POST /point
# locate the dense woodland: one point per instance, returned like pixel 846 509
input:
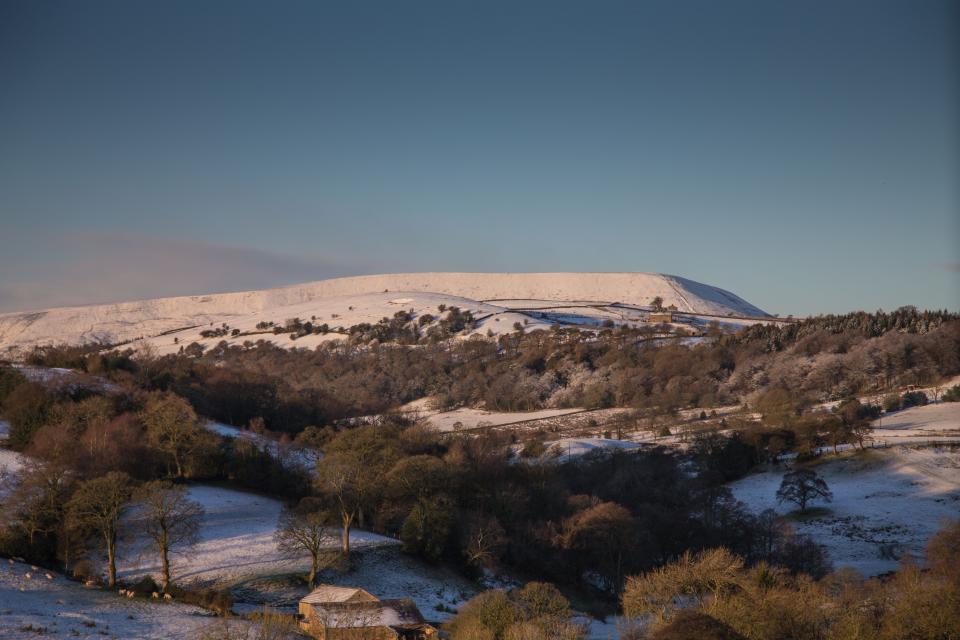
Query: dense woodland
pixel 463 500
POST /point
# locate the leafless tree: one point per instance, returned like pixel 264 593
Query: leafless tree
pixel 169 518
pixel 173 427
pixel 96 506
pixel 307 529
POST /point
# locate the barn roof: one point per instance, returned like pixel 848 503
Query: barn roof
pixel 329 593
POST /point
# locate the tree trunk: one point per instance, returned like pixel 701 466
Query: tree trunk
pixel 176 461
pixel 314 563
pixel 345 539
pixel 111 559
pixel 165 560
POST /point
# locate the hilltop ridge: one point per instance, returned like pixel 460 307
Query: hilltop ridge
pixel 351 300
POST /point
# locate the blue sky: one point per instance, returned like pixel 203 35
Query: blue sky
pixel 804 155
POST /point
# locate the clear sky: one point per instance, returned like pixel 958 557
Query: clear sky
pixel 805 155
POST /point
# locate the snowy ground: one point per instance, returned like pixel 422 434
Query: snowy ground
pixel 928 423
pixel 236 542
pixel 10 461
pixel 60 378
pixel 885 502
pixel 469 418
pixel 570 448
pixel 360 299
pixel 290 456
pixel 59 608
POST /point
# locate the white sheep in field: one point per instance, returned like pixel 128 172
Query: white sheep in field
pixel 154 595
pixel 122 592
pixel 28 575
pixel 167 596
pixel 130 594
pixel 48 576
pixel 35 567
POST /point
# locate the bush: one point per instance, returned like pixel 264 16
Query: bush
pixel 145 586
pixel 695 625
pixel 952 394
pixel 913 399
pixel 84 570
pixel 10 379
pixel 27 409
pixel 219 600
pixel 533 449
pixel 891 403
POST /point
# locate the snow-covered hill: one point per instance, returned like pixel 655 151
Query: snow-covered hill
pixel 500 299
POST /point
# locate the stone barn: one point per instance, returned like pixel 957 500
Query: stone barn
pixel 348 613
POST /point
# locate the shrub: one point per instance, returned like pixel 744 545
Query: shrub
pixel 913 399
pixel 533 449
pixel 695 625
pixel 10 379
pixel 145 586
pixel 27 409
pixel 952 394
pixel 891 402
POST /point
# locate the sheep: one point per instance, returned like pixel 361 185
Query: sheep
pixel 28 575
pixel 130 594
pixel 167 596
pixel 48 576
pixel 122 592
pixel 154 595
pixel 34 567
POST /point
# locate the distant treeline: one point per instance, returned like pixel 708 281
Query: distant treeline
pixel 814 360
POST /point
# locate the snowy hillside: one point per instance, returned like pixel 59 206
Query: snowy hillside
pixel 498 300
pixel 38 607
pixel 886 501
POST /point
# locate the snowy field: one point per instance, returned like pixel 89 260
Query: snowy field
pixel 569 448
pixel 359 299
pixel 60 378
pixel 10 461
pixel 59 608
pixel 929 423
pixel 469 418
pixel 290 456
pixel 236 542
pixel 564 420
pixel 886 502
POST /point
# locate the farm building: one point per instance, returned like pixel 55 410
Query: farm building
pixel 345 613
pixel 661 316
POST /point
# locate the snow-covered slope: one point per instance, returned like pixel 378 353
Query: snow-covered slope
pixel 346 301
pixel 38 607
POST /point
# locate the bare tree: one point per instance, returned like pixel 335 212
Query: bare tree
pixel 307 529
pixel 96 506
pixel 32 499
pixel 484 541
pixel 801 486
pixel 173 427
pixel 351 473
pixel 170 519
